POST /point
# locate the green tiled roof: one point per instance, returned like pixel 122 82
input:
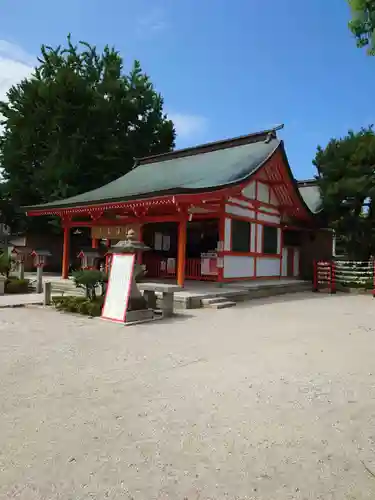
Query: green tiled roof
pixel 199 169
pixel 311 195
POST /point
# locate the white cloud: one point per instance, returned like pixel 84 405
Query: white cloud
pixel 15 53
pixel 151 23
pixel 15 64
pixel 188 126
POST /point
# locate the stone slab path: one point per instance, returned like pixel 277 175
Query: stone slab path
pixel 19 300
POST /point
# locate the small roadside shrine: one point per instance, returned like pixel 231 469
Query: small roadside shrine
pixel 223 211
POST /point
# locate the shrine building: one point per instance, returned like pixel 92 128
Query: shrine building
pixel 223 211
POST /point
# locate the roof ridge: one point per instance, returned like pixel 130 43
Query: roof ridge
pixel 210 146
pixel 307 182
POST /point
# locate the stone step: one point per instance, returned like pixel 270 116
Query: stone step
pixel 222 305
pixel 218 302
pixel 212 300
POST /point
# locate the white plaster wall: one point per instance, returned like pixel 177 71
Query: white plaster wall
pixel 267 266
pixel 238 267
pixel 252 237
pixel 273 199
pixel 227 233
pixel 263 192
pixel 274 219
pixel 284 271
pixel 259 238
pixel 296 262
pixel 243 212
pixel 249 191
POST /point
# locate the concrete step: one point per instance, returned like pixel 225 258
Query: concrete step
pixel 218 303
pixel 212 300
pixel 222 305
pixel 66 288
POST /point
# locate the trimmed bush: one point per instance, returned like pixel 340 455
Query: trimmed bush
pixel 15 285
pixel 79 305
pixel 89 280
pixel 5 264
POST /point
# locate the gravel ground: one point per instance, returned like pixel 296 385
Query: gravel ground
pixel 269 400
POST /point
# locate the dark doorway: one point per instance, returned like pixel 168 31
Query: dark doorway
pixel 290 263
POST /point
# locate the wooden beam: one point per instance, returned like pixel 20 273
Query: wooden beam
pixel 124 221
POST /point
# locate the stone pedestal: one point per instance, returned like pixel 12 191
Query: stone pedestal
pixel 47 300
pixel 39 279
pixel 139 315
pixel 150 298
pixel 2 284
pixel 167 304
pixel 21 270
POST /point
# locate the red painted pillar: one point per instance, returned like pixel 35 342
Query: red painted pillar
pixel 181 251
pixel 66 248
pixel 220 251
pixel 95 243
pixel 315 276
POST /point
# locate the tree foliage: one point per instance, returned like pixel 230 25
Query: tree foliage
pixel 89 280
pixel 362 24
pixel 346 176
pixel 77 123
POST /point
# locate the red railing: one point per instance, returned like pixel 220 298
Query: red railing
pixel 162 267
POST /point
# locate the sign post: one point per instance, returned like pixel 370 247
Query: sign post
pixel 119 287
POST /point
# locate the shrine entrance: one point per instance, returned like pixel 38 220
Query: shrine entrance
pixel 201 249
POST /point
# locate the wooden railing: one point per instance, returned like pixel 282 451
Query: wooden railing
pixel 162 267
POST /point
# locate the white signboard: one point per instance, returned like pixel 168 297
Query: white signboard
pixel 119 286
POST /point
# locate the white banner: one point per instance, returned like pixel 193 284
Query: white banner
pixel 119 287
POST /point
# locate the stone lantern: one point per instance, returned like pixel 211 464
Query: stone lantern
pixel 40 260
pixel 20 254
pixel 88 258
pixel 129 245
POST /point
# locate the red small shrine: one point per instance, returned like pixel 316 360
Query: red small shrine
pixel 223 211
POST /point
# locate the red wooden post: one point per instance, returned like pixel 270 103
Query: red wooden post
pixel 315 276
pixel 65 259
pixel 95 243
pixel 181 251
pixel 220 250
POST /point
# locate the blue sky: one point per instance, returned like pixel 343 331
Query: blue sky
pixel 224 67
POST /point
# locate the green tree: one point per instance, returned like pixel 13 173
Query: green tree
pixel 346 176
pixel 77 123
pixel 362 24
